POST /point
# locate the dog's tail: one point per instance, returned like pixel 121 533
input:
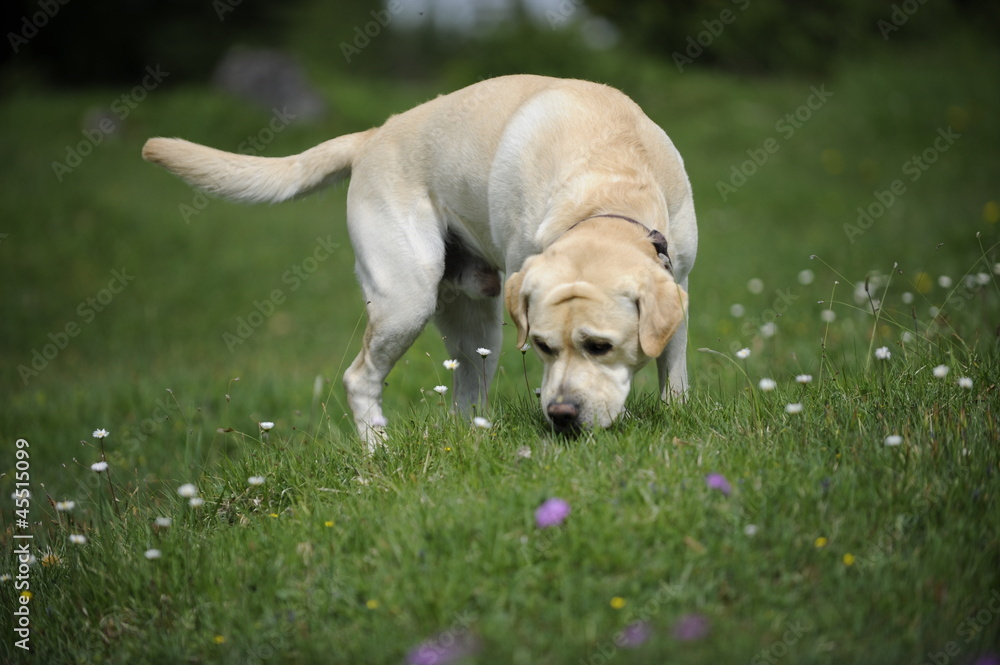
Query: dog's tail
pixel 251 179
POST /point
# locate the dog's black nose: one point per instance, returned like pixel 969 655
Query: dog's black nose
pixel 564 416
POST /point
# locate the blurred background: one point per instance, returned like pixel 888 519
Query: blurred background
pixel 112 42
pixel 863 132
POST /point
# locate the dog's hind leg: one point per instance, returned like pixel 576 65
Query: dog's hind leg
pixel 469 324
pixel 672 364
pixel 399 261
pixel 384 344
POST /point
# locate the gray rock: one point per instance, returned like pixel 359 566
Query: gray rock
pixel 271 79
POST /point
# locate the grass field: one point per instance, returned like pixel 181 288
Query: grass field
pixel 862 528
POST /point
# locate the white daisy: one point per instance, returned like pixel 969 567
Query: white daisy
pixel 483 352
pixel 196 502
pixel 451 364
pixel 440 390
pixel 907 298
pixel 266 425
pixel 63 506
pixel 883 353
pixel 944 282
pixel 965 382
pixel 767 385
pixel 751 530
pixel 804 378
pixel 737 310
pixel 769 329
pixel 99 466
pixel 256 480
pixel 743 354
pixel 187 490
pixel 163 522
pixel 793 408
pixel 5 578
pixel 479 421
pixel 755 285
pixel 828 316
pixel 100 433
pixel 152 554
pixel 77 539
pixel 941 371
pixel 893 440
pixel 806 276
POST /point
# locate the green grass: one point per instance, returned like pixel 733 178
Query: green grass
pixel 342 557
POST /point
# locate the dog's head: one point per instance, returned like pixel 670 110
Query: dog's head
pixel 596 306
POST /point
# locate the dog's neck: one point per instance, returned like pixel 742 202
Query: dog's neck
pixel 657 239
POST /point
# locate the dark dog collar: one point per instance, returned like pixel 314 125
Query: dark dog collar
pixel 657 238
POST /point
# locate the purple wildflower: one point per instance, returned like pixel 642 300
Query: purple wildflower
pixel 633 635
pixel 551 513
pixel 443 649
pixel 717 481
pixel 691 627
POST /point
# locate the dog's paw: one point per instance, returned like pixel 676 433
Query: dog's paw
pixel 373 434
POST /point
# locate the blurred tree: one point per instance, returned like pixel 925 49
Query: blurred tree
pixel 77 42
pixel 770 36
pixel 371 38
pixel 81 42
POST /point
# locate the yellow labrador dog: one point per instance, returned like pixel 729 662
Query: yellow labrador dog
pixel 564 186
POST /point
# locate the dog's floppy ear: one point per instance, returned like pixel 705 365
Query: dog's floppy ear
pixel 662 307
pixel 517 303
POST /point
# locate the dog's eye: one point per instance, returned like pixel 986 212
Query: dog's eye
pixel 596 347
pixel 543 347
